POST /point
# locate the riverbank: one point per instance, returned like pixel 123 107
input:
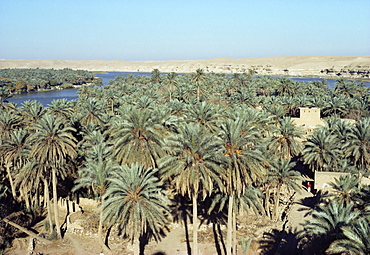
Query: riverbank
pixel 328 67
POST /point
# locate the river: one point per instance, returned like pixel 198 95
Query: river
pixel 45 97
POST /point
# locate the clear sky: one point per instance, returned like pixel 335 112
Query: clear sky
pixel 182 29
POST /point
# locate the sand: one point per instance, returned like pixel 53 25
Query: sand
pixel 294 66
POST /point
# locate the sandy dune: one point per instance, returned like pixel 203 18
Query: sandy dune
pixel 311 65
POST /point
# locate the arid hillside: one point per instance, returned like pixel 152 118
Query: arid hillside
pixel 354 67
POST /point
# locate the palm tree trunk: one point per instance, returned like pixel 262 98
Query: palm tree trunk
pixel 55 197
pixel 7 166
pixel 100 228
pixel 267 203
pixel 234 232
pixel 170 91
pixel 276 205
pixel 198 93
pixel 195 225
pixel 137 247
pixel 47 204
pixel 26 199
pixel 229 225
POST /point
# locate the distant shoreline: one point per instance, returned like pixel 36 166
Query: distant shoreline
pixel 357 67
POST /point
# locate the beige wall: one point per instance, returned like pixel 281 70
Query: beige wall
pixel 309 118
pixel 322 179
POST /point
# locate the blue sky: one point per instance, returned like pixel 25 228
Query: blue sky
pixel 182 30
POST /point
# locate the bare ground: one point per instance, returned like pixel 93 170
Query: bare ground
pixel 294 66
pixel 84 240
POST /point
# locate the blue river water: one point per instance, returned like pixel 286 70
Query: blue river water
pixel 46 97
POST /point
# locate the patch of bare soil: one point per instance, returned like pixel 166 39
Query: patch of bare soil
pixel 81 237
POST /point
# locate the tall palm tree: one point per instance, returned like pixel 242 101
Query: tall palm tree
pixel 283 174
pixel 30 177
pixel 343 130
pixel 193 165
pixel 248 200
pixel 136 201
pixel 244 165
pixel 52 144
pixel 199 77
pixel 156 76
pixel 112 96
pixel 95 176
pixel 171 81
pixel 14 153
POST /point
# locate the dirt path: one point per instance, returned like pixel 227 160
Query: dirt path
pixel 296 216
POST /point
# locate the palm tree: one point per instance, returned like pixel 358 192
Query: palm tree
pixel 199 77
pixel 358 148
pixel 246 96
pixel 32 111
pixel 356 241
pixel 286 86
pixel 344 188
pixel 326 223
pixel 171 80
pixel 29 179
pixel 244 165
pixel 8 122
pixel 52 144
pixel 335 105
pixel 322 151
pixel 95 176
pixel 205 114
pixel 136 201
pixel 60 108
pixel 113 96
pixel 343 130
pixel 91 111
pixel 14 152
pixel 193 165
pixel 156 76
pixel 248 200
pixel 282 174
pixel 287 139
pixel 137 137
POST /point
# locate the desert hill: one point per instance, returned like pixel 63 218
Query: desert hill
pixel 326 66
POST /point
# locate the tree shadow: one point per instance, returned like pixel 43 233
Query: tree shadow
pixel 312 203
pixel 280 242
pixel 149 234
pixel 181 211
pixel 216 217
pixel 143 239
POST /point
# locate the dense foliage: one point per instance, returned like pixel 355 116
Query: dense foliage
pixel 171 138
pixel 25 80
